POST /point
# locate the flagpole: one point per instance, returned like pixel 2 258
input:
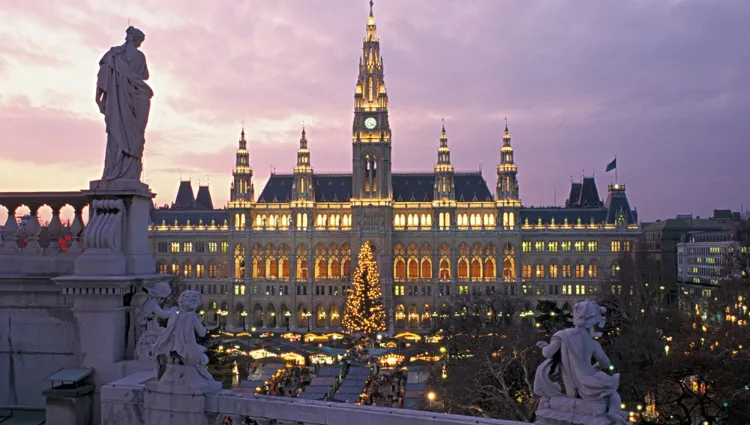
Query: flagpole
pixel 616 170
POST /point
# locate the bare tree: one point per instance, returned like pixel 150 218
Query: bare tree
pixel 490 361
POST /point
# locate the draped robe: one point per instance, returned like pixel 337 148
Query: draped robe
pixel 122 75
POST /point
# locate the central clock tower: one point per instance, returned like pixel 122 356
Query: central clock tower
pixel 371 132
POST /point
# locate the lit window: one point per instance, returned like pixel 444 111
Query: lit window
pixel 213 247
pixel 554 271
pixel 552 246
pixel 539 271
pixel 566 246
pixel 175 247
pixel 615 246
pixel 526 246
pixel 187 247
pixel 593 246
pixel 539 246
pixel 579 246
pixel 398 290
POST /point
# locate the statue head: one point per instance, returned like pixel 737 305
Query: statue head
pixel 190 300
pixel 160 290
pixel 135 36
pixel 588 315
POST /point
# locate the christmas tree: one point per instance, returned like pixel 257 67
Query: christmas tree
pixel 364 310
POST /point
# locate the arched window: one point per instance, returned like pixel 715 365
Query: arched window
pixel 239 261
pixel 321 265
pixel 301 262
pixel 399 269
pixel 593 270
pixel 445 265
pixel 509 262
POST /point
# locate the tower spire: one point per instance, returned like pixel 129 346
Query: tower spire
pixel 242 185
pixel 444 185
pixel 507 179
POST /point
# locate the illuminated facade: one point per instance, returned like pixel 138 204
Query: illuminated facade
pixel 442 237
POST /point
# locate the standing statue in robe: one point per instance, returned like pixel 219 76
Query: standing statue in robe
pixel 124 99
pixel 569 371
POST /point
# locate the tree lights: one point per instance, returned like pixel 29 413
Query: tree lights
pixel 364 310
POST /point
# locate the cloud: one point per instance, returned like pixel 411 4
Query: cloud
pixel 662 85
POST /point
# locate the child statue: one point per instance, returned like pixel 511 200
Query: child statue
pixel 148 315
pixel 568 370
pixel 177 345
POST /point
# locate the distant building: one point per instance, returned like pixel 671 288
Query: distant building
pixel 660 240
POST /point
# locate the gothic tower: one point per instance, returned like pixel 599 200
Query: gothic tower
pixel 242 183
pixel 445 188
pixel 303 191
pixel 242 194
pixel 371 134
pixel 507 197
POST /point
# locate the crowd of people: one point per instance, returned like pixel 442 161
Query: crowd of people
pixel 385 389
pixel 291 382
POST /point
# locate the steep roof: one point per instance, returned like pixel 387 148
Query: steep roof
pixel 417 187
pixel 185 198
pixel 203 200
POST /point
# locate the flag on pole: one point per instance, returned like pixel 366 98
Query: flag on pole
pixel 612 165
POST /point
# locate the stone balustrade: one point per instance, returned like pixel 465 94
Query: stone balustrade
pixel 27 247
pixel 126 401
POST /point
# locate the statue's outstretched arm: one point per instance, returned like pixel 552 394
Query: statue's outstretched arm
pixel 552 348
pixel 199 328
pixel 601 357
pixel 163 314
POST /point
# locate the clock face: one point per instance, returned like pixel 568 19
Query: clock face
pixel 370 123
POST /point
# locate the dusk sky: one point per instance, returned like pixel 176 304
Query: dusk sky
pixel 664 85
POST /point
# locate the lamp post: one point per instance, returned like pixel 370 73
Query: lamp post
pixel 244 319
pixel 287 315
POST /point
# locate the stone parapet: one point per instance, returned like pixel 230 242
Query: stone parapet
pixel 123 404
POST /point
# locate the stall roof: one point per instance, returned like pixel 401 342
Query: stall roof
pixel 323 380
pixel 328 371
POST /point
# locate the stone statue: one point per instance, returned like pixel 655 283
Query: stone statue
pixel 125 99
pixel 572 389
pixel 177 347
pixel 147 315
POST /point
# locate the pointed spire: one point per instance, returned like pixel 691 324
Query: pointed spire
pixel 444 153
pixel 443 137
pixel 243 141
pixel 371 24
pixel 303 139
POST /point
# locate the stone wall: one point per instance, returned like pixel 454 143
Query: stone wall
pixel 37 337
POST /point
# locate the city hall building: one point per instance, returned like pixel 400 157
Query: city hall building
pixel 282 258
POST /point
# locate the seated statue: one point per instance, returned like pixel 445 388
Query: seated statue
pixel 178 346
pixel 568 371
pixel 148 314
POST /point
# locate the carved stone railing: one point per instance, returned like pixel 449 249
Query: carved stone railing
pixel 124 403
pixel 26 242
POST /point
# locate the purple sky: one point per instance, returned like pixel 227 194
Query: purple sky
pixel 664 85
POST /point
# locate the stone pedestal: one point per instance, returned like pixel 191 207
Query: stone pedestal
pixel 69 406
pixel 116 237
pixel 573 411
pixel 178 398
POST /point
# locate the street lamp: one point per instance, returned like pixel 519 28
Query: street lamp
pixel 431 397
pixel 287 314
pixel 244 318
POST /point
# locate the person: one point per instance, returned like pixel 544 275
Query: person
pixel 124 98
pixel 568 359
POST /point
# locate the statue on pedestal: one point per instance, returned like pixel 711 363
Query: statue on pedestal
pixel 124 99
pixel 178 348
pixel 147 316
pixel 573 389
